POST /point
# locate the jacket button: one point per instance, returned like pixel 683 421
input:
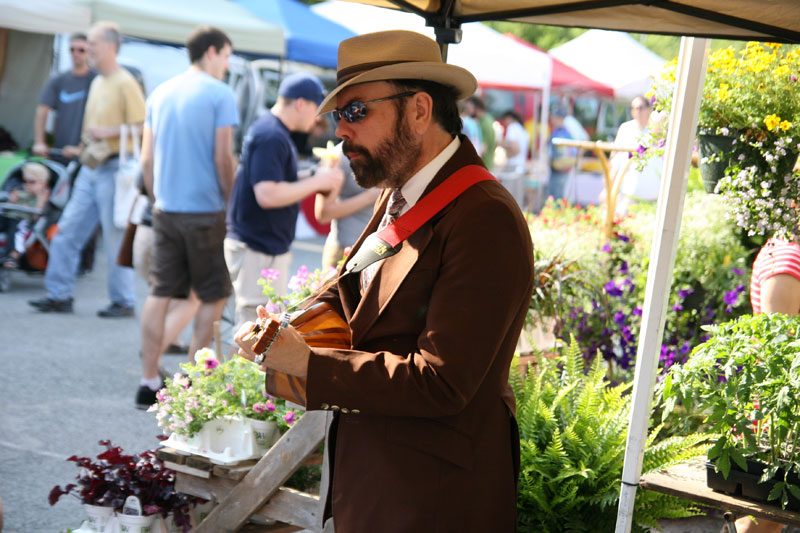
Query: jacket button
pixel 324 406
pixel 345 410
pixel 355 411
pixel 334 407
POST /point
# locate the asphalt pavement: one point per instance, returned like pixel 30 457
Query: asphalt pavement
pixel 68 381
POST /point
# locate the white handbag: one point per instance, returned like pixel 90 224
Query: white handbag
pixel 126 190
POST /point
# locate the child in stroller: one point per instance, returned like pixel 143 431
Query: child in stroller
pixel 31 200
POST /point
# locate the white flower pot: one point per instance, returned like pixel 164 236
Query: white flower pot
pixel 224 440
pixel 136 524
pixel 266 433
pixel 98 517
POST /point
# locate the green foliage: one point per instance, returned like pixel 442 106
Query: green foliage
pixel 573 429
pixel 746 381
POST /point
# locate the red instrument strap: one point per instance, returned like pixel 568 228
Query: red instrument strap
pixel 432 203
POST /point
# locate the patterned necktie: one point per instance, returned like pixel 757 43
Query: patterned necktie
pixel 393 209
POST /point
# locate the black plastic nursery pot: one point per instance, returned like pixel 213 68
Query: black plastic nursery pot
pixel 746 484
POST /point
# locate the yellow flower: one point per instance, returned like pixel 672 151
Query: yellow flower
pixel 723 93
pixel 781 71
pixel 772 122
pixel 785 125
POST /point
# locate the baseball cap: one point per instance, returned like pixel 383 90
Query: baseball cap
pixel 300 85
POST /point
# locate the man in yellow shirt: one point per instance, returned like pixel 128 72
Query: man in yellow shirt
pixel 115 98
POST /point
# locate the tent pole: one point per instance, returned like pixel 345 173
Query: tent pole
pixel 682 124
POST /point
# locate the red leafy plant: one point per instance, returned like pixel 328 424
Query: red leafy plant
pixel 114 476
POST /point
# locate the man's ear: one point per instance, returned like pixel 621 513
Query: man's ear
pixel 422 115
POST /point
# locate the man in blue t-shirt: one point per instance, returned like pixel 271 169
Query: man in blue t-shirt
pixel 187 166
pixel 263 210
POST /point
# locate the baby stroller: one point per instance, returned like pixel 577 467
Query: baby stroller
pixel 41 222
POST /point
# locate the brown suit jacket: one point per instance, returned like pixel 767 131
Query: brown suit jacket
pixel 425 438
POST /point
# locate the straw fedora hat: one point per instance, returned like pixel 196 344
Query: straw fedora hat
pixel 395 55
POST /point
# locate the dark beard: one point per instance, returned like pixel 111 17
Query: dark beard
pixel 395 159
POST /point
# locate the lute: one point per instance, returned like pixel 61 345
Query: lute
pixel 319 325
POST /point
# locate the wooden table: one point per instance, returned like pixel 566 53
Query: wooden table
pixel 612 182
pixel 254 491
pixel 688 480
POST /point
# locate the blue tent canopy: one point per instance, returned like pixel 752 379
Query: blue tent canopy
pixel 310 38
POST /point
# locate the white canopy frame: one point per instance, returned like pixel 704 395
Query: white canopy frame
pixel 682 124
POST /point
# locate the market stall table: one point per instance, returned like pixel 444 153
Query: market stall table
pixel 688 480
pixel 612 182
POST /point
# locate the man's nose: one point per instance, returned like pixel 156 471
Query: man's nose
pixel 343 129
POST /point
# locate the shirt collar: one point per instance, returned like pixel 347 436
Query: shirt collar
pixel 414 187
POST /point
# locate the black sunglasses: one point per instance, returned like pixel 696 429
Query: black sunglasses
pixel 355 111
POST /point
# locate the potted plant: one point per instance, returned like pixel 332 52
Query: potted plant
pixel 217 405
pixel 745 379
pixel 573 429
pixel 104 484
pixel 301 287
pixel 748 131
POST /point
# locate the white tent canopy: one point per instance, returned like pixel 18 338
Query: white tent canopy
pixel 495 60
pixel 172 21
pixel 44 16
pixel 613 58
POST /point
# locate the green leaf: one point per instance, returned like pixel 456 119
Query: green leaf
pixel 738 458
pixel 776 491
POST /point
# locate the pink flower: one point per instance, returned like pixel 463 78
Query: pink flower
pixel 289 417
pixel 270 406
pixel 271 274
pixel 211 363
pixel 259 408
pixel 230 388
pixel 272 308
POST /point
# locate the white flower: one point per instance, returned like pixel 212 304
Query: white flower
pixel 204 353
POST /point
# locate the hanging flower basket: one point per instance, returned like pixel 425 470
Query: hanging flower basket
pixel 714 152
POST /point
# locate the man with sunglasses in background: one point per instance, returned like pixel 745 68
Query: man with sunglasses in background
pixel 423 436
pixel 263 209
pixel 65 93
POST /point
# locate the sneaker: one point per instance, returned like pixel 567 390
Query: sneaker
pixel 177 349
pixel 49 305
pixel 145 396
pixel 116 310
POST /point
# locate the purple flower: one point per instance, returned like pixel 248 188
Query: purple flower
pixel 270 406
pixel 738 271
pixel 619 317
pixel 289 417
pixel 623 238
pixel 730 297
pixel 685 348
pixel 640 150
pixel 211 363
pixel 623 267
pixel 794 78
pixel 612 289
pixel 683 293
pixel 677 307
pixel 230 389
pixel 606 247
pixel 637 311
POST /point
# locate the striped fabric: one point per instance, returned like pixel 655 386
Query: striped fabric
pixel 776 257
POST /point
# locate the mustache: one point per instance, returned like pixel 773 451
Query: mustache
pixel 349 147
